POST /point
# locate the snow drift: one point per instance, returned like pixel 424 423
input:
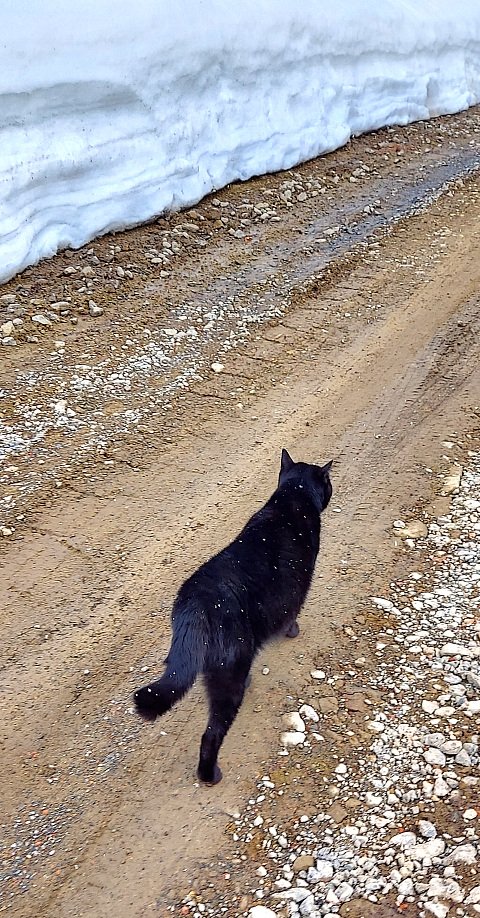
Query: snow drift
pixel 111 113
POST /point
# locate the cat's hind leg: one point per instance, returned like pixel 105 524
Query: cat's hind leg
pixel 226 688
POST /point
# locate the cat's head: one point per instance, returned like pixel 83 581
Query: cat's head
pixel 315 477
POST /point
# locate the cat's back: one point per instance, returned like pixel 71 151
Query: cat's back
pixel 282 536
pixel 289 516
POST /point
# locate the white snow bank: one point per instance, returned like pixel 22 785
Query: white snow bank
pixel 112 112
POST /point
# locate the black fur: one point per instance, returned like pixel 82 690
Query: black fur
pixel 249 593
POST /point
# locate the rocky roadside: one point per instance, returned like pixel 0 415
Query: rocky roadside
pixel 393 823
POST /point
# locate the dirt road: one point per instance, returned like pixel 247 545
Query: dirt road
pixel 350 329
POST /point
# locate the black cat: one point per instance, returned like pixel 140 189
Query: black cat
pixel 249 593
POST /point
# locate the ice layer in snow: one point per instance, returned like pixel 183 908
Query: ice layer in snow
pixel 111 113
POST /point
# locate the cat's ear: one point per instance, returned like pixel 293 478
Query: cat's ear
pixel 287 462
pixel 326 468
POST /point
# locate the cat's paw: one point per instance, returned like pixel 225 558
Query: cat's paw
pixel 210 776
pixel 145 703
pixel 293 630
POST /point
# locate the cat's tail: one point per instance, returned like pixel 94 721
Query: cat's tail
pixel 183 664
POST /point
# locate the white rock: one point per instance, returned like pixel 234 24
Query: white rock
pixel 217 367
pixel 261 911
pixel 429 706
pixel 434 847
pixel 434 757
pixel 427 829
pixel 341 769
pixel 406 887
pixel 441 788
pixel 307 907
pixel 40 319
pixel 344 892
pixel 474 680
pixel 474 896
pixel 324 870
pixel 462 854
pixel 60 407
pixel 294 722
pixel 372 799
pixel 470 814
pixel 292 738
pixel 404 840
pixel 283 884
pixel 309 713
pixel 455 650
pixel 451 747
pixel 385 604
pixel 434 739
pixel 440 888
pixel 437 908
pixel 317 674
pixel 473 707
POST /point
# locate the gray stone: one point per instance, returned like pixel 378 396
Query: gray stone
pixel 451 747
pixel 434 739
pixel 40 319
